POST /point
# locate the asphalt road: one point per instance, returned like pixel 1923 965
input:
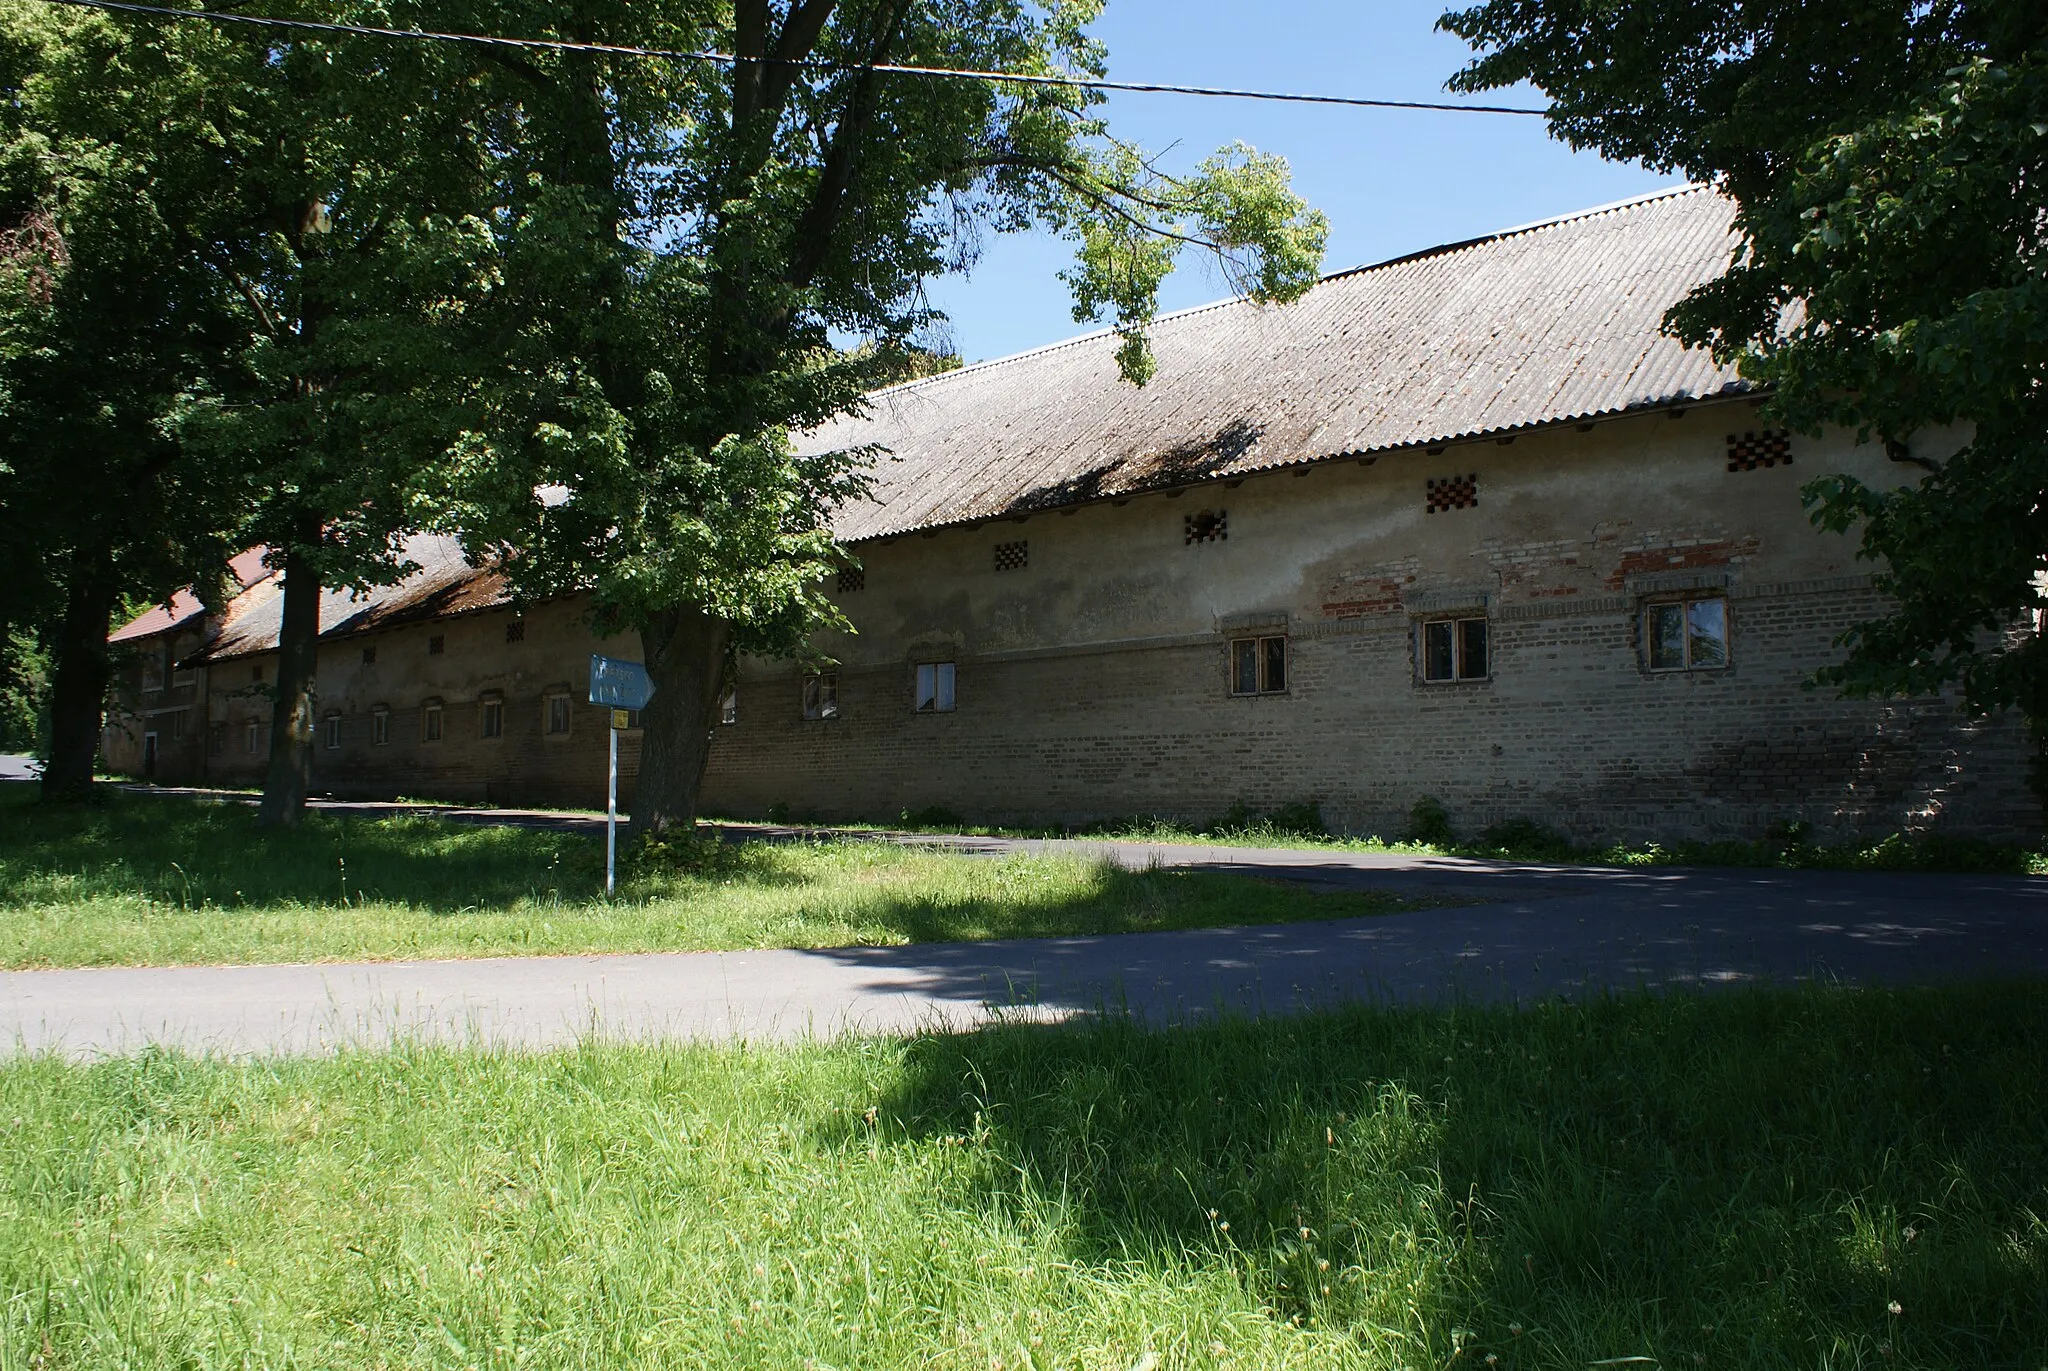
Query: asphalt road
pixel 1534 932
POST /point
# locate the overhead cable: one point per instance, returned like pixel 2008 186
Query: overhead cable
pixel 1069 82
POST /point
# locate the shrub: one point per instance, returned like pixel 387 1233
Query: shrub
pixel 1429 822
pixel 1524 838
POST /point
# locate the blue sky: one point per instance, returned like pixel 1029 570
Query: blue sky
pixel 1391 182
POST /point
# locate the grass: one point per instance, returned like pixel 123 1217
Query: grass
pixel 1300 826
pixel 152 881
pixel 1824 1180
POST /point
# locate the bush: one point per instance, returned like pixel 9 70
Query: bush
pixel 1525 838
pixel 1304 818
pixel 682 854
pixel 1429 822
pixel 931 816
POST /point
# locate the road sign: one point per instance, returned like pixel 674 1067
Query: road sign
pixel 619 684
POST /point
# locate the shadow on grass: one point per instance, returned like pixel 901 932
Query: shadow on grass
pixel 195 854
pixel 1822 1178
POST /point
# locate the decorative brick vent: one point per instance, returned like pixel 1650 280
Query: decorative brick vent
pixel 1772 447
pixel 436 645
pixel 1013 556
pixel 1208 526
pixel 1451 492
pixel 370 656
pixel 515 630
pixel 853 578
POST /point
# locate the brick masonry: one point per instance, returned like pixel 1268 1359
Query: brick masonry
pixel 1092 680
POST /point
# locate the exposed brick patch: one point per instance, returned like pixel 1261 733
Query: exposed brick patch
pixel 1682 554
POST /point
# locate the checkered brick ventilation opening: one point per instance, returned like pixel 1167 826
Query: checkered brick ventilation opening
pixel 1207 526
pixel 851 579
pixel 1013 556
pixel 1451 492
pixel 1772 447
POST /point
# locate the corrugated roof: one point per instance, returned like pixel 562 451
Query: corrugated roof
pixel 445 584
pixel 1555 322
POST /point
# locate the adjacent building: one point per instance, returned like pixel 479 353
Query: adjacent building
pixel 1465 525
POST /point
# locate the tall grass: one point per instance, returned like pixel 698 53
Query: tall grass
pixel 1816 1179
pixel 150 881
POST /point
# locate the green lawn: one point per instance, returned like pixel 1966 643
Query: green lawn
pixel 1820 1180
pixel 146 880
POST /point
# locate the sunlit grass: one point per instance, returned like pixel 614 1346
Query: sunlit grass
pixel 158 881
pixel 1816 1179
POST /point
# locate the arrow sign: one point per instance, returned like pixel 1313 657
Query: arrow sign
pixel 617 684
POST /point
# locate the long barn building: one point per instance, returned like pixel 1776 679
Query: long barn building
pixel 1465 525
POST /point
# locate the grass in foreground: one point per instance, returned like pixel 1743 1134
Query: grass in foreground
pixel 151 881
pixel 1818 1179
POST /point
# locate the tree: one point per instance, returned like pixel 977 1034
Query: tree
pixel 106 320
pixel 682 243
pixel 1889 162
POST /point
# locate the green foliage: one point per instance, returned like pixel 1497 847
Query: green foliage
pixel 1429 822
pixel 1764 1180
pixel 24 692
pixel 1887 161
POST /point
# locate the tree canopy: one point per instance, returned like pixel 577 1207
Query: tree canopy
pixel 1889 160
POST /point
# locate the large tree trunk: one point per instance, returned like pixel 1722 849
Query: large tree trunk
pixel 291 715
pixel 685 652
pixel 78 687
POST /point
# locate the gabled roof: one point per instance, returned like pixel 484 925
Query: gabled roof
pixel 245 569
pixel 445 584
pixel 1550 323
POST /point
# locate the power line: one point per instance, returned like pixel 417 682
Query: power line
pixel 728 59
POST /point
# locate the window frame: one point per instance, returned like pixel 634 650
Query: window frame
pixel 548 705
pixel 818 696
pixel 1685 600
pixel 1261 646
pixel 1459 648
pixel 330 731
pixel 252 737
pixel 433 728
pixel 490 717
pixel 944 694
pixel 380 726
pixel 729 707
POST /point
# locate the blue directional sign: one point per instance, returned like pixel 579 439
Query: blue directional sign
pixel 617 684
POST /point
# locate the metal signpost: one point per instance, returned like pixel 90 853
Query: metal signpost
pixel 620 687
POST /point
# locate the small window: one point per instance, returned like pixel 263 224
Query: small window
pixel 256 672
pixel 515 630
pixel 1454 650
pixel 1258 666
pixel 494 718
pixel 333 732
pixel 370 656
pixel 252 736
pixel 178 723
pixel 729 707
pixel 1686 635
pixel 217 740
pixel 935 688
pixel 436 645
pixel 430 722
pixel 821 696
pixel 380 726
pixel 558 716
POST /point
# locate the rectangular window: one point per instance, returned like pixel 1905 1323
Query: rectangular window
pixel 1686 635
pixel 558 716
pixel 437 644
pixel 1258 666
pixel 729 707
pixel 1454 650
pixel 333 731
pixel 380 726
pixel 935 688
pixel 252 736
pixel 178 723
pixel 494 718
pixel 821 696
pixel 430 722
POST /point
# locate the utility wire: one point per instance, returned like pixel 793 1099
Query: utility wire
pixel 728 59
